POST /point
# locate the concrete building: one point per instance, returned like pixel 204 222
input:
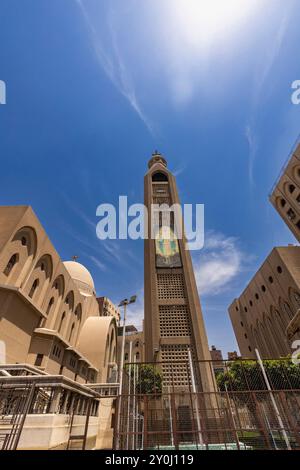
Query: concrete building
pixel 217 359
pixel 285 196
pixel 233 356
pixel 216 354
pixel 136 338
pixel 53 339
pixel 49 315
pixel 173 318
pixel 108 309
pixel 262 314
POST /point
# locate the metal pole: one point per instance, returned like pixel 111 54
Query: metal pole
pixel 133 405
pixel 122 352
pixel 199 431
pixel 268 425
pixel 25 411
pixel 143 426
pixel 86 427
pixel 285 436
pixel 121 379
pixel 129 396
pixel 232 419
pixel 170 417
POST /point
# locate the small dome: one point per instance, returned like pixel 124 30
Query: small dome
pixel 81 276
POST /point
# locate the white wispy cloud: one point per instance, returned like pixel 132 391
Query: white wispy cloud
pixel 179 170
pixel 109 250
pixel 260 87
pixel 218 264
pixel 112 249
pixel 97 263
pixel 270 57
pixel 252 143
pixel 113 65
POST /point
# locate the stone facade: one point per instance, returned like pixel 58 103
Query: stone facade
pixel 262 314
pixel 173 317
pixel 285 196
pixel 47 307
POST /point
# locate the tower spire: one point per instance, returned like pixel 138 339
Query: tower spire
pixel 157 158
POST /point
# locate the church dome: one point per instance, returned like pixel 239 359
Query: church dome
pixel 81 276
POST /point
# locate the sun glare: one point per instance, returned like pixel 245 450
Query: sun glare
pixel 200 21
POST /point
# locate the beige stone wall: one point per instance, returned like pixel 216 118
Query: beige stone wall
pixel 286 194
pixel 42 308
pixel 173 317
pixel 105 429
pixel 17 323
pixel 262 313
pixel 51 431
pixel 138 353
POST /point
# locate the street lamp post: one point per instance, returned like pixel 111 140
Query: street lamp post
pixel 124 304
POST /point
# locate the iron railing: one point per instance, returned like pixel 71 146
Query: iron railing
pixel 239 410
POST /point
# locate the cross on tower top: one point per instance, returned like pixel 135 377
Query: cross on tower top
pixel 74 257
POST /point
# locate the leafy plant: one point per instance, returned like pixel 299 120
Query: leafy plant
pixel 148 380
pixel 247 375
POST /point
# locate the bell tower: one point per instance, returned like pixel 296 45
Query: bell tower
pixel 173 317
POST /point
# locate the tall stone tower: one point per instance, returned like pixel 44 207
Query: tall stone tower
pixel 173 316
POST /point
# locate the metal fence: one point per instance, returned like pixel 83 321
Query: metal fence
pixel 246 406
pixel 22 395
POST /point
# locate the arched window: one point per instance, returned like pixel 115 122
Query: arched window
pixel 291 214
pixel 33 288
pixel 61 323
pixel 78 312
pixel 51 302
pixel 69 300
pixel 126 357
pixel 158 177
pixel 59 285
pixel 13 260
pixel 72 331
pixel 45 264
pixel 288 310
pixel 297 298
pixel 137 344
pixel 137 356
pixel 282 202
pixel 292 188
pixel 280 322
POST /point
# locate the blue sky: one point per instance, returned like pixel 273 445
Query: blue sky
pixel 94 86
